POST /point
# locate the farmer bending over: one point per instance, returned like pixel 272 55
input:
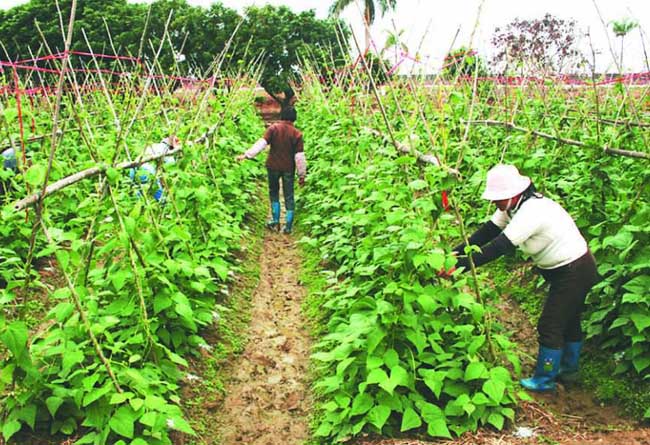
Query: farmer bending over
pixel 285 157
pixel 546 232
pixel 8 163
pixel 148 170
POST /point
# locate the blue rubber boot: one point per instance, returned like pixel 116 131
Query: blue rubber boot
pixel 158 194
pixel 569 363
pixel 274 223
pixel 548 366
pixel 288 223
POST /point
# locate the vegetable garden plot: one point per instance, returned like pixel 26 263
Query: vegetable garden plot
pixel 141 275
pixel 403 351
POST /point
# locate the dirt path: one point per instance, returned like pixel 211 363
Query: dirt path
pixel 268 395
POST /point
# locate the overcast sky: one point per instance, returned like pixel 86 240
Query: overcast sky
pixel 437 22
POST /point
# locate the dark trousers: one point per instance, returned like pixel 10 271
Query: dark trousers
pixel 569 285
pixel 5 187
pixel 287 187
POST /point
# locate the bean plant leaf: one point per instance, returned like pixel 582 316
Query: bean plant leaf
pixel 35 175
pixel 27 414
pixel 410 420
pixel 496 420
pixel 14 338
pixel 377 376
pixel 436 421
pixel 475 370
pixel 361 404
pixel 494 389
pixel 122 422
pixel 434 380
pixel 641 321
pixel 378 415
pixel 53 403
pixel 9 428
pixel 398 377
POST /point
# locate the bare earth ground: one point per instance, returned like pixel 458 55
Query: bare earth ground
pixel 267 398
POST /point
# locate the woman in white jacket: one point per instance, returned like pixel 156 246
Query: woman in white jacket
pixel 543 230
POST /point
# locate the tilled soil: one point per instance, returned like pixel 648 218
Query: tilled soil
pixel 268 396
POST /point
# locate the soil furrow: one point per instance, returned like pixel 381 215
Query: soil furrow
pixel 267 401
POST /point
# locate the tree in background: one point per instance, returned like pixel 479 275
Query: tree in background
pixel 368 11
pixel 621 28
pixel 200 34
pixel 394 42
pixel 19 32
pixel 463 62
pixel 284 37
pixel 538 46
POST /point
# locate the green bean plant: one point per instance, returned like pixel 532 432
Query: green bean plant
pixel 144 278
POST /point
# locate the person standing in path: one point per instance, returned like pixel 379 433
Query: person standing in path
pixel 286 156
pixel 547 233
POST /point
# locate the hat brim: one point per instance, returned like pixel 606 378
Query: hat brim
pixel 492 195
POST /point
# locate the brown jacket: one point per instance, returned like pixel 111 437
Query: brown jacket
pixel 285 141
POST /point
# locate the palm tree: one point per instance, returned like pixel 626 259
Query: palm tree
pixel 621 28
pixel 394 41
pixel 368 11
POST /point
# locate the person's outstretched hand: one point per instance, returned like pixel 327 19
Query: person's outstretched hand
pixel 301 181
pixel 446 273
pixel 240 158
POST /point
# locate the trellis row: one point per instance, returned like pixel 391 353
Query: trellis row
pixel 48 89
pixel 568 80
pixel 642 78
pixel 630 79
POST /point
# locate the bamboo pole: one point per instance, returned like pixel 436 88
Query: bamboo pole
pixel 84 174
pixel 53 145
pixel 604 149
pixel 84 318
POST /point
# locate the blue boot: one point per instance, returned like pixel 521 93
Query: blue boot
pixel 288 223
pixel 274 223
pixel 569 363
pixel 548 366
pixel 158 194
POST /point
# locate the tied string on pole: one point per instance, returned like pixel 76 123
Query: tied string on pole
pixel 629 79
pixel 17 92
pixel 48 89
pixel 445 200
pixel 31 103
pixel 404 56
pixel 642 78
pixel 632 78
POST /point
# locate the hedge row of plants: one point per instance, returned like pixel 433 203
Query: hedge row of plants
pixel 403 351
pixel 107 363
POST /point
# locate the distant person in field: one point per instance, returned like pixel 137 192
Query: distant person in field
pixel 286 157
pixel 8 164
pixel 144 174
pixel 542 229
